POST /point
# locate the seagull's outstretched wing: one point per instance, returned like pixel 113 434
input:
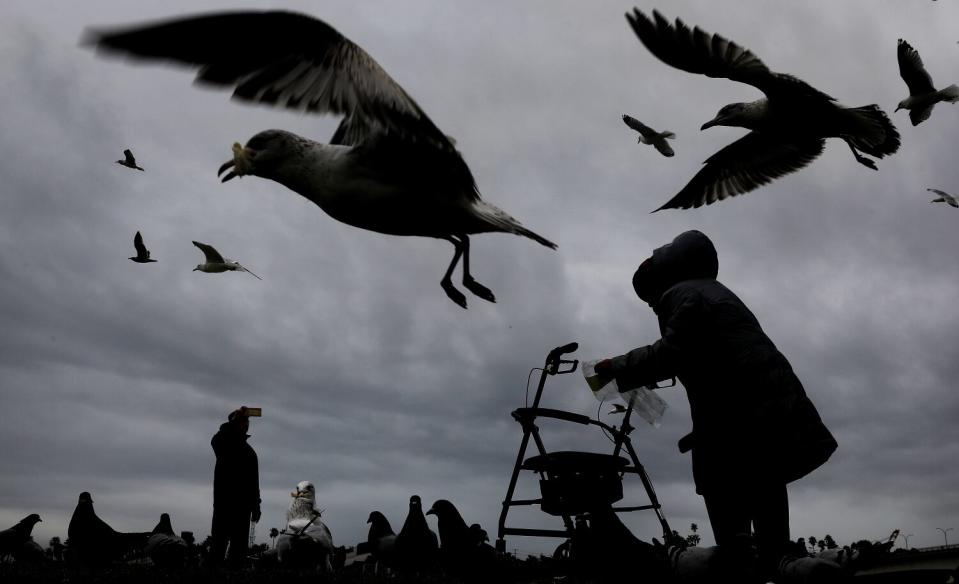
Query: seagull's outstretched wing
pixel 639 126
pixel 697 51
pixel 128 155
pixel 248 271
pixel 946 197
pixel 283 59
pixel 744 165
pixel 142 251
pixel 664 148
pixel 212 256
pixel 912 70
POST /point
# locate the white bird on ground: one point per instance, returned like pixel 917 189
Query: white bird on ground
pixel 923 95
pixel 128 160
pixel 648 135
pixel 143 254
pixel 387 168
pixel 215 263
pixel 306 541
pixel 944 197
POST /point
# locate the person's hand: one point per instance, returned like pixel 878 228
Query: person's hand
pixel 255 517
pixel 604 368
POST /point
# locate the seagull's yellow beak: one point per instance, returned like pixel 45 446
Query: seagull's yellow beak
pixel 242 162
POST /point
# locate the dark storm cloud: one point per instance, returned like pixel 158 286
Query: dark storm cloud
pixel 374 386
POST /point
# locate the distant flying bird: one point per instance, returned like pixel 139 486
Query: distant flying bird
pixel 93 541
pixel 788 127
pixel 214 262
pixel 128 160
pixel 648 135
pixel 164 547
pixel 306 541
pixel 416 544
pixel 13 540
pixel 387 168
pixel 143 254
pixel 944 197
pixel 923 95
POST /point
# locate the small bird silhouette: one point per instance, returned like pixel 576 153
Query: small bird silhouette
pixel 215 263
pixel 944 197
pixel 129 161
pixel 416 545
pixel 143 254
pixel 93 542
pixel 923 95
pixel 12 540
pixel 380 541
pixel 164 547
pixel 648 135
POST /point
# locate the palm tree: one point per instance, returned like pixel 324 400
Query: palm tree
pixel 273 533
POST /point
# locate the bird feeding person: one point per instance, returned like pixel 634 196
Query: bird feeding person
pixel 236 487
pixel 754 428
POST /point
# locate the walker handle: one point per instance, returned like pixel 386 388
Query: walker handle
pixel 558 352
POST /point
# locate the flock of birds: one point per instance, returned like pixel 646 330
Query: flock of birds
pixel 304 543
pixel 388 168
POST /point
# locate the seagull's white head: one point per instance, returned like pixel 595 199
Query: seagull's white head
pixel 743 115
pixel 304 490
pixel 904 104
pixel 261 154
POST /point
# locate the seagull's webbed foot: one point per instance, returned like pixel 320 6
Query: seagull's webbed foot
pixel 867 162
pixel 454 294
pixel 478 289
pixel 447 282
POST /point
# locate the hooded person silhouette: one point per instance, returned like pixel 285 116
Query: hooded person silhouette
pixel 236 489
pixel 754 428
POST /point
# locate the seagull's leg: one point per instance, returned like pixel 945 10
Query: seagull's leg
pixel 447 283
pixel 868 162
pixel 468 281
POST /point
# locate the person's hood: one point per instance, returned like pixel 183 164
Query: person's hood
pixel 690 256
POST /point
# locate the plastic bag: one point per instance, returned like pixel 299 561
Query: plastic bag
pixel 644 402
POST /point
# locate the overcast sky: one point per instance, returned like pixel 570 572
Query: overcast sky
pixel 114 375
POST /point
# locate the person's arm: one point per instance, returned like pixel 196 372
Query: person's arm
pixel 661 360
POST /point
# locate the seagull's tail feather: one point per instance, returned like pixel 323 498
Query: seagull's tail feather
pixel 950 94
pixel 667 134
pixel 872 132
pixel 498 220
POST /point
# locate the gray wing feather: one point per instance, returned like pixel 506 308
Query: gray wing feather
pixel 746 164
pixel 212 256
pixel 697 51
pixel 913 72
pixel 283 59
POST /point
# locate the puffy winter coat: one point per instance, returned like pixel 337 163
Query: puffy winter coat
pixel 752 420
pixel 236 479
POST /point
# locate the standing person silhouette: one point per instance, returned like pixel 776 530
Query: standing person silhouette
pixel 236 490
pixel 754 428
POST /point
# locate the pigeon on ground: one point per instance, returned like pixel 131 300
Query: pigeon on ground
pixel 648 135
pixel 164 547
pixel 788 127
pixel 214 262
pixel 93 542
pixel 143 254
pixel 923 95
pixel 388 168
pixel 12 540
pixel 128 160
pixel 944 197
pixel 416 545
pixel 609 552
pixel 306 541
pixel 462 548
pixel 380 541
